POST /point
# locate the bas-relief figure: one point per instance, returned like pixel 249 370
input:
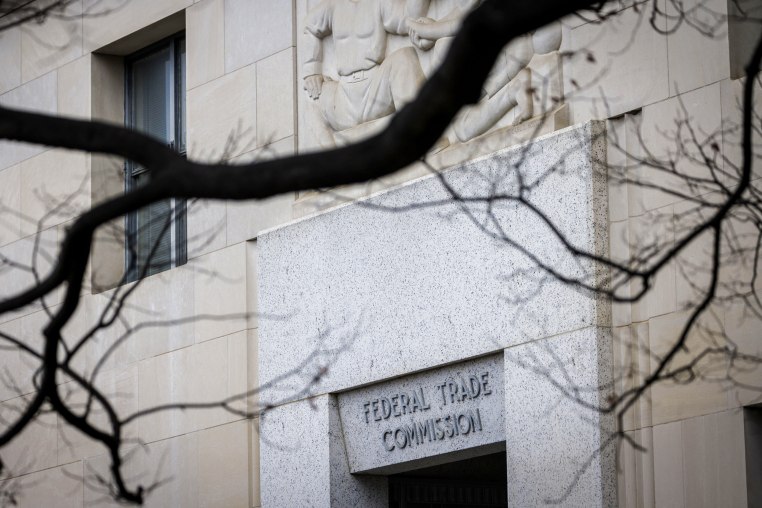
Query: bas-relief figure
pixel 509 84
pixel 372 84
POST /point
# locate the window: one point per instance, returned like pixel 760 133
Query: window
pixel 155 105
pixel 744 30
pixel 753 441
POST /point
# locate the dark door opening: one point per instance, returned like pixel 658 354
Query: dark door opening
pixel 472 483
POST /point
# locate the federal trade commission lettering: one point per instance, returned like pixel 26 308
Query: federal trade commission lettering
pixel 415 432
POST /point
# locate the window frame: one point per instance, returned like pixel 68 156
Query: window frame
pixel 178 227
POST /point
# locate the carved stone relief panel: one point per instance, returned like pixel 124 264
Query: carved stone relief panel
pixel 361 60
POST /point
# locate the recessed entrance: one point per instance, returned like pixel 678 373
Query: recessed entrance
pixel 474 483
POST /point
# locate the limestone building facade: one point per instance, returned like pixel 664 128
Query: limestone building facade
pixel 394 354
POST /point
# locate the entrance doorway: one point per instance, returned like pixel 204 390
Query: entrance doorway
pixel 474 483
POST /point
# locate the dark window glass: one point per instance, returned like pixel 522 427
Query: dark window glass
pixel 753 440
pixel 155 105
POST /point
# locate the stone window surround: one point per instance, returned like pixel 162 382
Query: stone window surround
pixel 107 174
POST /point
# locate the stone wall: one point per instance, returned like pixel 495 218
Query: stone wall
pixel 239 75
pixel 243 79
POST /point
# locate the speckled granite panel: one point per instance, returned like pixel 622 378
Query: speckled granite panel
pixel 398 284
pixel 424 416
pixel 410 280
pixel 294 454
pixel 304 461
pixel 348 490
pixel 559 451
